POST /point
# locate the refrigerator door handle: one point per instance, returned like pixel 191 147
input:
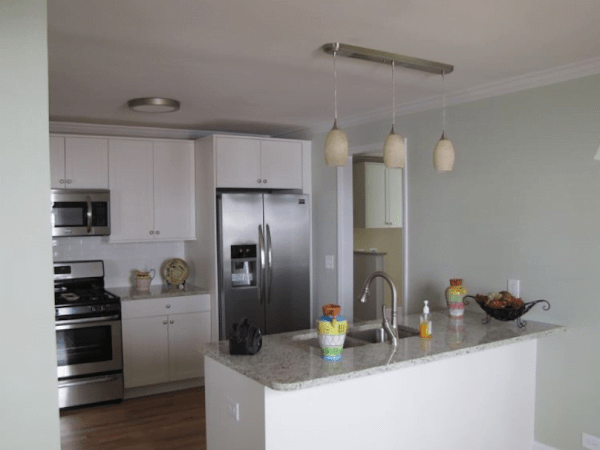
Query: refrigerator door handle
pixel 269 271
pixel 261 263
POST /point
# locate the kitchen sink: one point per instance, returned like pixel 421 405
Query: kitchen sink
pixel 359 338
pixel 348 342
pixel 377 335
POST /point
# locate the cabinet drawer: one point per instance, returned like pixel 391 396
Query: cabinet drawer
pixel 163 306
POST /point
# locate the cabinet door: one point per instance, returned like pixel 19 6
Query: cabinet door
pixel 86 163
pixel 174 216
pixel 186 333
pixel 238 163
pixel 57 162
pixel 130 171
pixel 375 196
pixel 394 197
pixel 281 164
pixel 145 351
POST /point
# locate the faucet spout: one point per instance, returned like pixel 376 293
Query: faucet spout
pixel 391 330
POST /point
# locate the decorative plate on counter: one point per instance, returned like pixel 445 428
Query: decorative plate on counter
pixel 175 271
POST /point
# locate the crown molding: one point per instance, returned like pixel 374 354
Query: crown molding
pixel 129 131
pixel 531 80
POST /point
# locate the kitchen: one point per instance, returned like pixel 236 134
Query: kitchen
pixel 551 247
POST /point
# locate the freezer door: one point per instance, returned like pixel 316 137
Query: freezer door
pixel 287 277
pixel 240 295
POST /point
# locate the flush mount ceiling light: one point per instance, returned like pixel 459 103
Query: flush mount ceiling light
pixel 336 142
pixel 394 150
pixel 394 144
pixel 153 105
pixel 443 153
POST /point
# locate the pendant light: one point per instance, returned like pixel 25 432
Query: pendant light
pixel 336 142
pixel 394 150
pixel 443 153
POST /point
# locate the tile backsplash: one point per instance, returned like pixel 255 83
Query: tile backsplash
pixel 120 260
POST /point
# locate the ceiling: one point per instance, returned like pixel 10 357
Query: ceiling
pixel 255 66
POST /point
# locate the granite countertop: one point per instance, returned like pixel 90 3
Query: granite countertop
pixel 156 291
pixel 287 363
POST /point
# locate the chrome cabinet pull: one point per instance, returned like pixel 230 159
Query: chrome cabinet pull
pixel 62 181
pixel 171 321
pixel 168 306
pixel 151 232
pixel 157 232
pixel 259 181
pixel 264 181
pixel 165 322
pixel 69 181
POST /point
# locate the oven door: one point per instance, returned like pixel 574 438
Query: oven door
pixel 88 346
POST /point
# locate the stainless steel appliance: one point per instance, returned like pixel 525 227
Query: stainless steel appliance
pixel 88 335
pixel 264 253
pixel 80 212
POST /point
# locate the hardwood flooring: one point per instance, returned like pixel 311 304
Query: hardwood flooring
pixel 171 421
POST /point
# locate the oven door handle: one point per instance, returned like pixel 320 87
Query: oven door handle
pixel 86 321
pixel 64 384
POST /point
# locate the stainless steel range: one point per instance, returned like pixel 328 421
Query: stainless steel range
pixel 88 335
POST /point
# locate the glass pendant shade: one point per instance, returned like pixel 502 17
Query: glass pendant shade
pixel 336 147
pixel 394 151
pixel 443 155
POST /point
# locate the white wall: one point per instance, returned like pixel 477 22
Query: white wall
pixel 120 260
pixel 28 391
pixel 523 202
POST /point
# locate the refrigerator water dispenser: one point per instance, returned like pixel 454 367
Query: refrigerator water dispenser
pixel 243 265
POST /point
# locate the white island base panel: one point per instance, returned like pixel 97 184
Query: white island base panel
pixel 481 400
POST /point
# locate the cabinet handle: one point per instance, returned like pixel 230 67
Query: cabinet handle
pixel 69 181
pixel 164 322
pixel 259 180
pixel 171 321
pixel 62 181
pixel 151 232
pixel 264 181
pixel 168 306
pixel 157 232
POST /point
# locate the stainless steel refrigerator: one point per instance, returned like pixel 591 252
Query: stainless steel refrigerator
pixel 264 252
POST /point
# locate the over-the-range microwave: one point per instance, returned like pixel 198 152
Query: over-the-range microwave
pixel 80 212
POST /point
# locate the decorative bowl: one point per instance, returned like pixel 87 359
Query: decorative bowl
pixel 507 313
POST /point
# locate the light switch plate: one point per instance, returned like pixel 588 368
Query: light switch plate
pixel 329 262
pixel 514 287
pixel 233 410
pixel 590 442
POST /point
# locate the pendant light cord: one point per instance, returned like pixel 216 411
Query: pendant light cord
pixel 443 104
pixel 393 99
pixel 334 86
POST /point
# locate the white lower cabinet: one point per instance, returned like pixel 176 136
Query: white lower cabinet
pixel 161 339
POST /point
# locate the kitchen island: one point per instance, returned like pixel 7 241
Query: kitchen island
pixel 470 386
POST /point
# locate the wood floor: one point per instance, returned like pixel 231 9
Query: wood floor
pixel 172 421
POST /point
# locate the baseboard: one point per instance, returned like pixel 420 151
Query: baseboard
pixel 154 389
pixel 538 446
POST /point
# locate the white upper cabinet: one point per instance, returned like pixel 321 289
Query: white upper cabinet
pixel 152 190
pixel 258 163
pixel 377 196
pixel 78 162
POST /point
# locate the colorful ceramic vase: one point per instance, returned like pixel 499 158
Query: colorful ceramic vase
pixel 454 297
pixel 331 329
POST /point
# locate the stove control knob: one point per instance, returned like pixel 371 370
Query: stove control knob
pixel 92 308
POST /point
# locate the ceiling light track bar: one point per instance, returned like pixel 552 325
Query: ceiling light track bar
pixel 378 56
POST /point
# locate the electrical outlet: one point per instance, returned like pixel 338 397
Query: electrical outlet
pixel 233 410
pixel 329 262
pixel 514 288
pixel 590 442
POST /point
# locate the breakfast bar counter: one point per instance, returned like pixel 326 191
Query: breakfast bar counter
pixel 470 386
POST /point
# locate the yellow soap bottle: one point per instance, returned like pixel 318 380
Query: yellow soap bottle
pixel 425 322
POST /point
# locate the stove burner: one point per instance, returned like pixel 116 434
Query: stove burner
pixel 70 297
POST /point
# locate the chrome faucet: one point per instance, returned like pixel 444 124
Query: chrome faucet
pixel 391 330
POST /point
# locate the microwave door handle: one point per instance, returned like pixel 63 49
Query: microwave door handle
pixel 89 214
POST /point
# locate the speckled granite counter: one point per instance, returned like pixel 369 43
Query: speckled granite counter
pixel 287 363
pixel 156 291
